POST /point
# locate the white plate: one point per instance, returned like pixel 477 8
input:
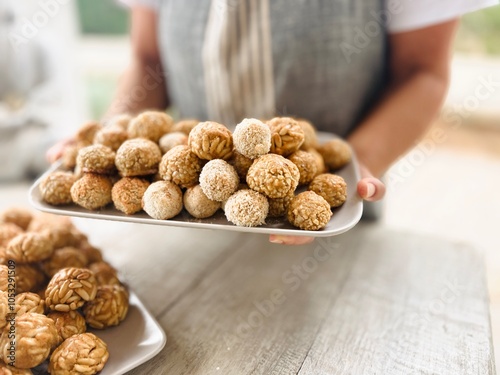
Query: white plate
pixel 343 218
pixel 136 340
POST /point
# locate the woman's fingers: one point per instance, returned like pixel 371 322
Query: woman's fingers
pixel 56 151
pixel 290 240
pixel 371 189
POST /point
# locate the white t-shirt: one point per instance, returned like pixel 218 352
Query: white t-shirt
pixel 401 15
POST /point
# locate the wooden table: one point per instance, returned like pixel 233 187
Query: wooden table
pixel 371 301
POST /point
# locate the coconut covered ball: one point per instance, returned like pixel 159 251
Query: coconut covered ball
pixel 181 166
pixel 150 125
pixel 170 140
pixel 278 207
pixel 85 135
pixel 218 180
pixel 247 208
pixel 286 135
pixel 127 194
pixel 310 135
pixel 211 140
pixel 336 153
pixel 309 211
pixel 273 175
pixel 162 200
pixel 198 204
pixel 92 191
pixel 111 136
pixel 96 159
pixel 138 157
pixel 18 216
pixel 331 187
pixel 252 138
pixel 241 164
pixel 306 163
pixel 185 126
pixel 55 188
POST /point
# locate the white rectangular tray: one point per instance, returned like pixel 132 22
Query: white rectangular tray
pixel 343 219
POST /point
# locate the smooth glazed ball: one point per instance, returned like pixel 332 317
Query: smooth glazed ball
pixel 29 247
pixel 162 200
pixel 309 211
pixel 252 138
pixel 7 232
pixel 68 323
pixel 127 194
pixel 197 203
pixel 273 175
pixel 62 258
pixel 36 336
pixel 336 153
pixel 138 157
pixel 150 125
pixel 170 140
pixel 92 191
pixel 82 354
pixel 111 136
pixel 109 308
pixel 18 216
pixel 310 135
pixel 181 166
pixel 286 135
pixel 218 180
pixel 278 207
pixel 85 135
pixel 211 140
pixel 331 187
pixel 306 163
pixel 246 208
pixel 185 126
pixel 55 188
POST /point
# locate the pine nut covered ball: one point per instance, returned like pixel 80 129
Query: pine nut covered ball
pixel 18 216
pixel 138 157
pixel 55 188
pixel 241 164
pixel 162 200
pixel 9 370
pixel 85 135
pixel 70 288
pixel 3 255
pixel 36 335
pixel 104 273
pixel 150 125
pixel 92 191
pixel 273 175
pixel 92 253
pixel 61 236
pixel 28 302
pixel 218 180
pixel 181 166
pixel 64 257
pixel 309 211
pixel 336 153
pixel 306 163
pixel 96 159
pixel 29 247
pixel 211 140
pixel 4 277
pixel 83 354
pixel 185 126
pixel 286 135
pixel 331 187
pixel 108 309
pixel 247 208
pixel 252 138
pixel 111 136
pixel 28 278
pixel 170 140
pixel 278 207
pixel 7 232
pixel 310 135
pixel 4 308
pixel 197 203
pixel 127 194
pixel 68 323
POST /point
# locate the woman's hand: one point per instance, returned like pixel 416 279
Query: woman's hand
pixel 56 151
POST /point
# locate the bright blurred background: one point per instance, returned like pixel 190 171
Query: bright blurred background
pixel 447 186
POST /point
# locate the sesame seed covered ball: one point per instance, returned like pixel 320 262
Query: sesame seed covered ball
pixel 198 204
pixel 55 188
pixel 17 215
pixel 273 175
pixel 278 207
pixel 122 121
pixel 181 166
pixel 331 187
pixel 92 191
pixel 247 208
pixel 306 163
pixel 286 135
pixel 138 157
pixel 85 135
pixel 111 136
pixel 211 140
pixel 69 155
pixel 252 138
pixel 150 125
pixel 241 164
pixel 336 153
pixel 185 126
pixel 96 159
pixel 170 140
pixel 127 194
pixel 218 180
pixel 310 136
pixel 162 200
pixel 320 162
pixel 309 211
